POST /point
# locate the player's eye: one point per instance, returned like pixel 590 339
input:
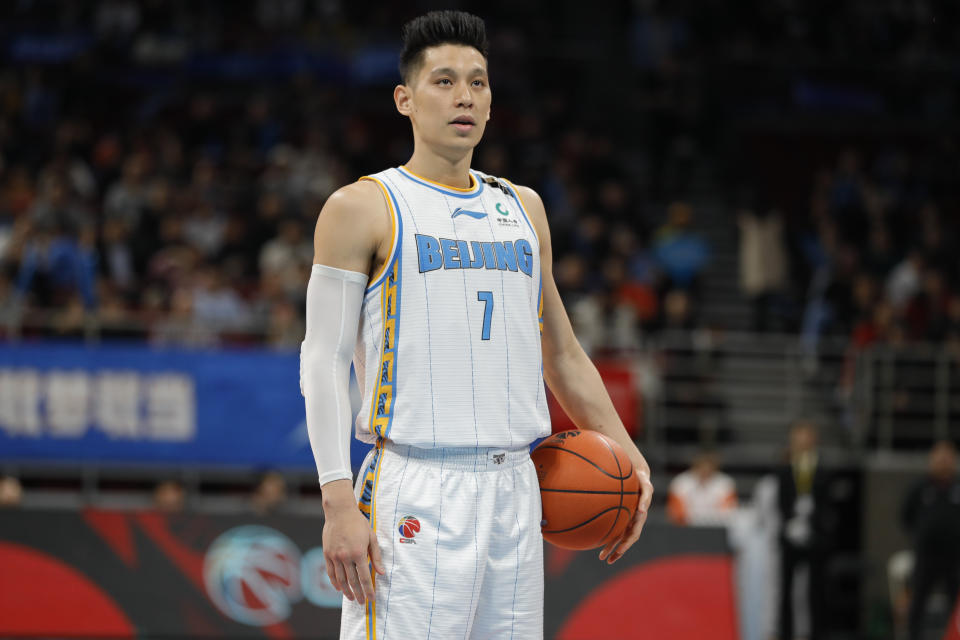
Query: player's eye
pixel 444 81
pixel 479 83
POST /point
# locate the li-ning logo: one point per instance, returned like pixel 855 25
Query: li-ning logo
pixel 409 526
pixel 476 215
pixel 498 458
pixel 563 435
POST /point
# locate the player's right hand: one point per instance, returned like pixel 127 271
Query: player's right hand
pixel 349 548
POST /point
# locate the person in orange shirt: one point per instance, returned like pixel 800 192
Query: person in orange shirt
pixel 702 495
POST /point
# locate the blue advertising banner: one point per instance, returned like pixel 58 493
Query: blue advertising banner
pixel 130 404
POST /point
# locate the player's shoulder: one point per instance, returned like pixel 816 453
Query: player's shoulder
pixel 358 202
pixel 354 216
pixel 361 194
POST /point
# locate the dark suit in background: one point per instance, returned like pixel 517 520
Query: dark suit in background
pixel 931 513
pixel 804 536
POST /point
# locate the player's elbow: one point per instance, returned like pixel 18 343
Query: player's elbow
pixel 322 366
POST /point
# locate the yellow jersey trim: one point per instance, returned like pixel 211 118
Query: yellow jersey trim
pixel 394 240
pixel 474 184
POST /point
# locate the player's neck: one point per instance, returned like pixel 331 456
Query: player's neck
pixel 453 172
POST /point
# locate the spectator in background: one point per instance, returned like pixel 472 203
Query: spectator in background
pixel 11 493
pixel 703 495
pixel 681 253
pixel 270 493
pixel 931 514
pixel 169 496
pixel 677 312
pixel 127 197
pixel 285 329
pixel 181 326
pixel 803 503
pixel 215 303
pixel 904 281
pixel 59 256
pixel 879 257
pixel 117 251
pixel 288 251
pixel 763 262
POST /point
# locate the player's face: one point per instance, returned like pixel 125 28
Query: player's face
pixel 448 100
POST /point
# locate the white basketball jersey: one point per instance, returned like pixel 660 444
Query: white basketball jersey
pixel 448 352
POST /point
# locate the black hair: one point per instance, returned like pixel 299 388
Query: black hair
pixel 436 28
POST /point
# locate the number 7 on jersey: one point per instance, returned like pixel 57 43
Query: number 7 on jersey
pixel 487 298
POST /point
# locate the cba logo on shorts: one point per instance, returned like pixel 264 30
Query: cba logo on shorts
pixel 409 526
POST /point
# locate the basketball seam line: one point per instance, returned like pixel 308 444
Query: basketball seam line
pixel 620 471
pixel 587 521
pixel 586 459
pixel 612 493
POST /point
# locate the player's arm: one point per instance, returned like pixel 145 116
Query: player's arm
pixel 350 235
pixel 574 379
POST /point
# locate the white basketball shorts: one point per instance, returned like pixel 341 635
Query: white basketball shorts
pixel 459 531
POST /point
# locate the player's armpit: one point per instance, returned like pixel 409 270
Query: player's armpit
pixel 353 229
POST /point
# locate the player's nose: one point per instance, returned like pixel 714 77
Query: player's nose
pixel 464 96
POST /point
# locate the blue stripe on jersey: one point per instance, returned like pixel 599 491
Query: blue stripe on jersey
pixel 447 192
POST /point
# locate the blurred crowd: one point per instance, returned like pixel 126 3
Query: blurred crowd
pixel 162 164
pixel 872 260
pixel 151 196
pixel 880 253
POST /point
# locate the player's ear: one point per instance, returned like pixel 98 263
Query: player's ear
pixel 403 98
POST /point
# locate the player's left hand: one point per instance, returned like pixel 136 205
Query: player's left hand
pixel 615 549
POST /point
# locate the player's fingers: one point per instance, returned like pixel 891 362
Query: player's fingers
pixel 353 571
pixel 331 572
pixel 375 558
pixel 607 548
pixel 631 535
pixel 341 578
pixel 646 493
pixel 366 582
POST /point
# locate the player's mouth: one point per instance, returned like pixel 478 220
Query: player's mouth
pixel 463 124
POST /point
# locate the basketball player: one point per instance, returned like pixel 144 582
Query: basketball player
pixel 436 280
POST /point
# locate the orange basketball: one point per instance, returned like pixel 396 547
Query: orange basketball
pixel 588 487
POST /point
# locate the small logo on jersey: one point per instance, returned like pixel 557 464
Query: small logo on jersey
pixel 409 526
pixel 505 219
pixel 498 458
pixel 476 215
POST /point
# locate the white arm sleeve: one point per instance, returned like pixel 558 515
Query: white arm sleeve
pixel 334 297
